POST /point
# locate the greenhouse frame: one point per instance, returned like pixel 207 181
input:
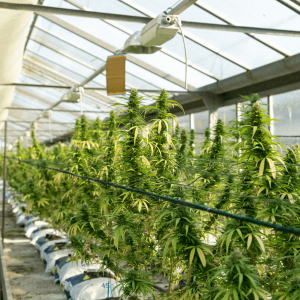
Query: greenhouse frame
pixel 177 178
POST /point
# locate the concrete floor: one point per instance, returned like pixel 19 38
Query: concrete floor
pixel 25 270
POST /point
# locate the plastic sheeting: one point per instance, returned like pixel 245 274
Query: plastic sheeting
pixel 13 31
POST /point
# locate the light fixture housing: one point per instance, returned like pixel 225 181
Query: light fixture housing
pixel 157 32
pixel 74 94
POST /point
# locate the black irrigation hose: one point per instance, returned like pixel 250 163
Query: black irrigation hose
pixel 178 202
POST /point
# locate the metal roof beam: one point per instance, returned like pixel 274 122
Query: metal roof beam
pixel 180 7
pixel 89 88
pixel 40 2
pixel 290 6
pixel 56 110
pixel 242 29
pixel 144 20
pixel 275 78
pixel 273 70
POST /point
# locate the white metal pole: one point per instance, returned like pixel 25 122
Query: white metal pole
pixel 4 181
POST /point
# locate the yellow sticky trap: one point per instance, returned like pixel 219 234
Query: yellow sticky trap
pixel 86 277
pixel 115 75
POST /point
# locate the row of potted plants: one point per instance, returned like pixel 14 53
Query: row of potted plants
pixel 242 168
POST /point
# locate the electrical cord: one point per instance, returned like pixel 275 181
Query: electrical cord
pixel 50 130
pixel 211 210
pixel 185 49
pixel 81 91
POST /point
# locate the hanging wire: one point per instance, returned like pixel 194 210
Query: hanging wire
pixel 185 50
pixel 50 131
pixel 81 91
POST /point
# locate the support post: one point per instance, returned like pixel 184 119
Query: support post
pixel 4 181
pixel 212 102
pixel 271 113
pixel 192 121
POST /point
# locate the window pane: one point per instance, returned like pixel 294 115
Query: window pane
pixel 184 122
pixel 227 113
pixel 286 109
pixel 201 123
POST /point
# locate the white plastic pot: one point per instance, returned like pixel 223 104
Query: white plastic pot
pixel 51 254
pixel 35 236
pixel 92 289
pixel 32 227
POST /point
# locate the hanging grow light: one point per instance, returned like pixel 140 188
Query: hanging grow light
pixel 46 114
pixel 157 32
pixel 74 94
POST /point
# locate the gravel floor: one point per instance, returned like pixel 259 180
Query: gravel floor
pixel 25 270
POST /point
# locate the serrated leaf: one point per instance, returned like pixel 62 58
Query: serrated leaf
pixel 235 294
pixel 249 241
pixel 240 233
pixel 260 243
pixel 260 190
pixel 254 130
pixel 159 126
pixel 255 296
pixel 272 167
pixel 261 168
pixel 136 132
pixel 192 253
pixel 241 277
pixel 201 256
pixel 228 240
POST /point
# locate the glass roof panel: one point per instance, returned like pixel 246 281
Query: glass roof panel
pixel 52 65
pixel 37 77
pixel 58 58
pixel 203 58
pixel 47 95
pixel 65 48
pixel 177 69
pixel 99 29
pixel 156 80
pixel 237 46
pixel 154 6
pixel 111 6
pixel 279 17
pixel 71 38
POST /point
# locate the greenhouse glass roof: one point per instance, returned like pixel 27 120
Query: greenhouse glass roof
pixel 67 50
